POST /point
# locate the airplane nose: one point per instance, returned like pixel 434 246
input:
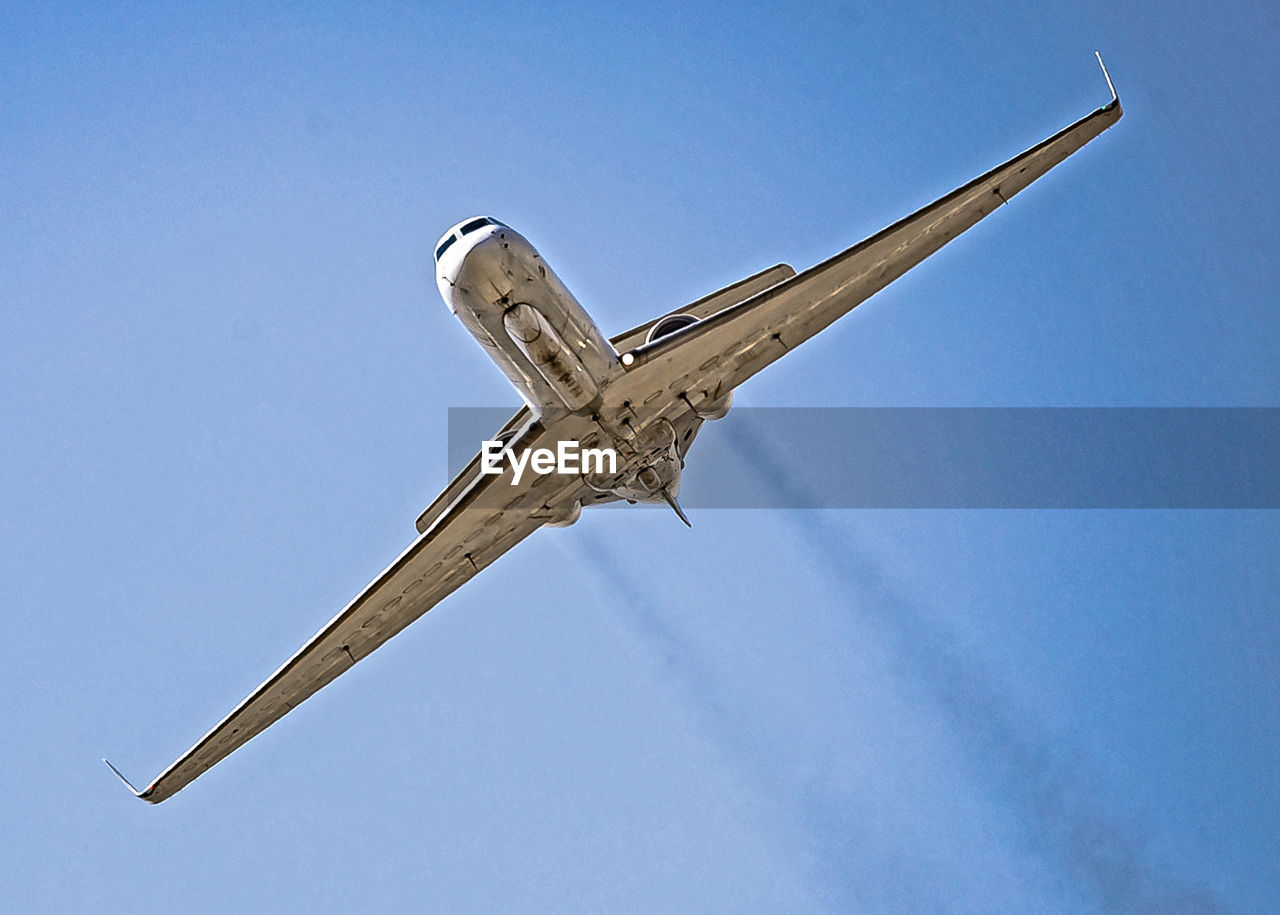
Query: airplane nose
pixel 446 280
pixel 479 259
pixel 487 266
pixel 451 255
pixel 496 259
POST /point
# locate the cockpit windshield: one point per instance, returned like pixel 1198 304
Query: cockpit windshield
pixel 465 229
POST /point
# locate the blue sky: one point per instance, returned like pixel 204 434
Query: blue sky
pixel 224 401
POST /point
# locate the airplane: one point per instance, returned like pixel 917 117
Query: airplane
pixel 643 395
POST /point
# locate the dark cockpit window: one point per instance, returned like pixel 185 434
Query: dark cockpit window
pixel 473 225
pixel 444 245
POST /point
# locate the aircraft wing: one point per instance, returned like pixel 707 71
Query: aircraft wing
pixel 716 354
pixel 485 521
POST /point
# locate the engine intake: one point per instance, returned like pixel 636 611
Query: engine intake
pixel 669 325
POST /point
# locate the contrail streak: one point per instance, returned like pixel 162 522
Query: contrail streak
pixel 710 701
pixel 1021 763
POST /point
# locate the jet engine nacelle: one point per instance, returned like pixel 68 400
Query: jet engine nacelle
pixel 713 407
pixel 566 516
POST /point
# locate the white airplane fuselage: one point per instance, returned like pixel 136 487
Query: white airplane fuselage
pixel 524 317
pixel 513 303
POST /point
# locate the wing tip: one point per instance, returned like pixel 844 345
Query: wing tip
pixel 1115 96
pixel 143 795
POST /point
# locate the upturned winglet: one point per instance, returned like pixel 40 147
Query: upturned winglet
pixel 128 784
pixel 1115 96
